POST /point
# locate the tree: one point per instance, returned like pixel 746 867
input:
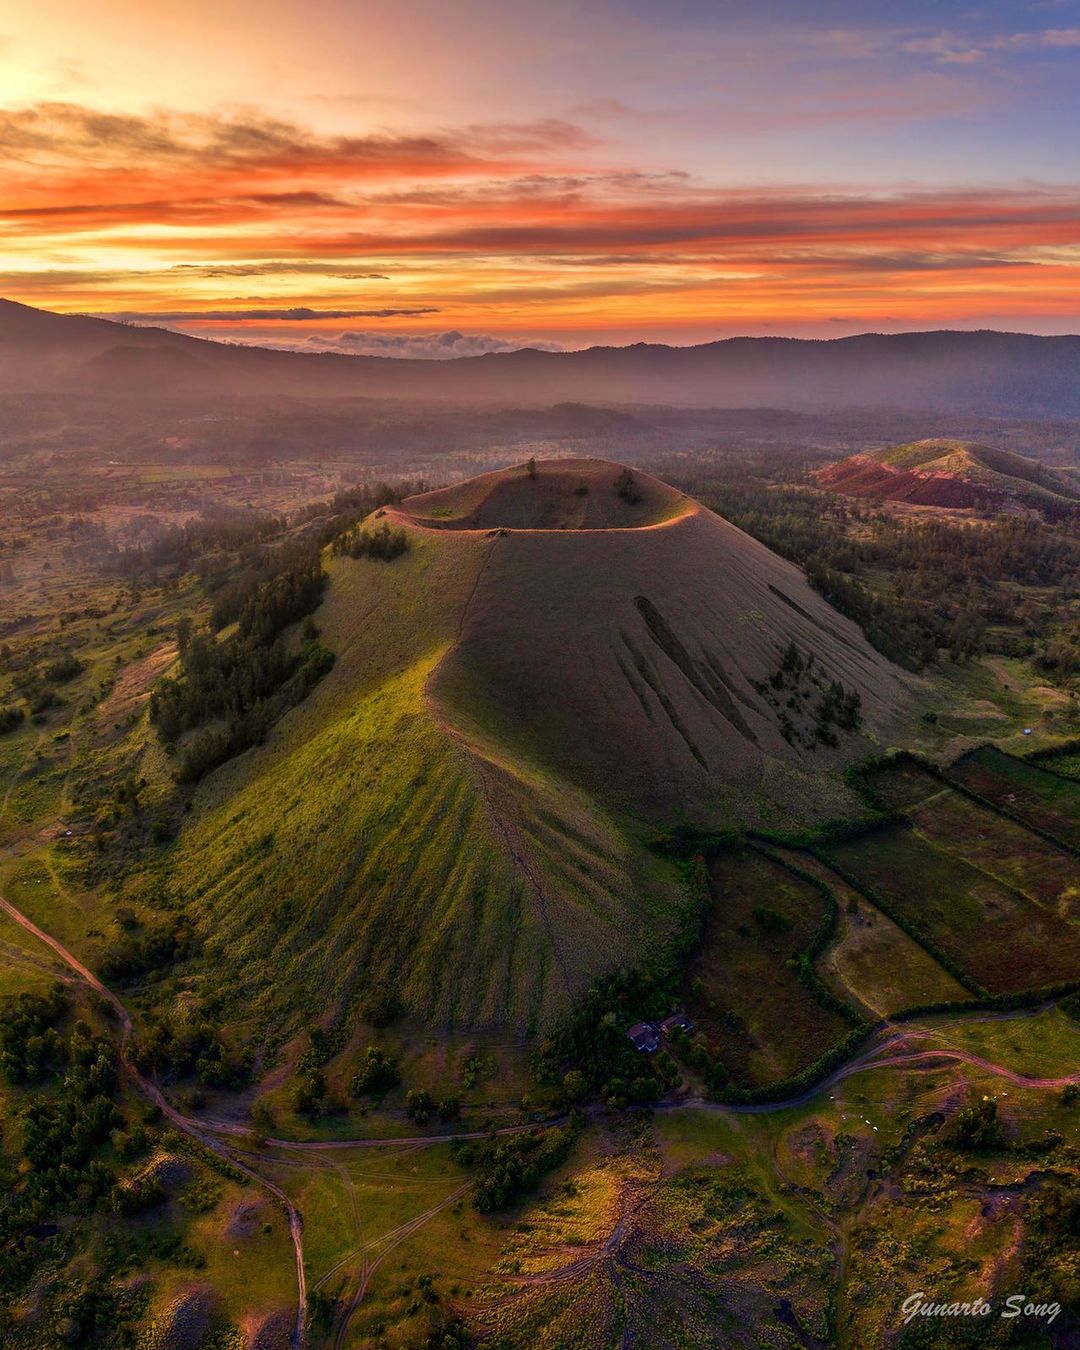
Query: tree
pixel 530 467
pixel 575 1087
pixel 309 1093
pixel 627 488
pixel 262 1122
pixel 419 1106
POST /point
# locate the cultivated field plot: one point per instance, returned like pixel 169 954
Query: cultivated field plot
pixel 1024 861
pixel 1038 795
pixel 903 784
pixel 996 935
pixel 871 959
pixel 1004 849
pixel 746 998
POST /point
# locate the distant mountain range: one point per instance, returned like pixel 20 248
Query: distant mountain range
pixel 957 474
pixel 979 372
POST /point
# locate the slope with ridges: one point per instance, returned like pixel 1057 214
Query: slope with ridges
pixel 460 810
pixel 630 659
pixel 369 843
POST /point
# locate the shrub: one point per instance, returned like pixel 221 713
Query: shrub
pixel 64 668
pixel 309 1093
pixel 419 1106
pixel 10 718
pixel 380 1006
pixel 376 1073
pixel 771 923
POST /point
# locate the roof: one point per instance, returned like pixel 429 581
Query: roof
pixel 678 1021
pixel 644 1036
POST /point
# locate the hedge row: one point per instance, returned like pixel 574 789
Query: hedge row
pixel 807 1078
pixel 1029 998
pixel 1071 747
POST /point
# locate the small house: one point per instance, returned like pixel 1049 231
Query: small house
pixel 678 1021
pixel 645 1036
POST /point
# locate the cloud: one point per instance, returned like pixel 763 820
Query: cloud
pixel 953 49
pixel 62 132
pixel 418 346
pixel 276 267
pixel 298 314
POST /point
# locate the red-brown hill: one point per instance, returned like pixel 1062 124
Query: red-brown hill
pixel 956 474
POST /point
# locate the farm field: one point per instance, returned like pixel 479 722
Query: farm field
pixel 1041 796
pixel 1021 860
pixel 741 986
pixel 871 960
pixel 1000 940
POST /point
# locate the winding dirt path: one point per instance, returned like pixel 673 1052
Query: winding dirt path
pixel 193 1128
pixel 893 1049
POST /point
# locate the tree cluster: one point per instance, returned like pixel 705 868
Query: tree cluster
pixel 137 954
pixel 510 1167
pixel 54 1149
pixel 30 1046
pixel 246 680
pixel 178 1047
pixel 379 541
pixel 377 1073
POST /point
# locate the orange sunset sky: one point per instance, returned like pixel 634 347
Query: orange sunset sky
pixel 435 178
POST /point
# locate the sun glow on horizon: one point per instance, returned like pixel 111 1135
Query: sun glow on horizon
pixel 619 176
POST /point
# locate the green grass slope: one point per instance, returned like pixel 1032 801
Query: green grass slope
pixel 368 843
pixel 460 811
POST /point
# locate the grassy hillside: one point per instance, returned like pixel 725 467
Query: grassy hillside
pixel 460 811
pixel 368 844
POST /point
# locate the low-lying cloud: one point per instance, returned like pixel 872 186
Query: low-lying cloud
pixel 417 346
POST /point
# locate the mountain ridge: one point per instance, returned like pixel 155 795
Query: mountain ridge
pixel 981 370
